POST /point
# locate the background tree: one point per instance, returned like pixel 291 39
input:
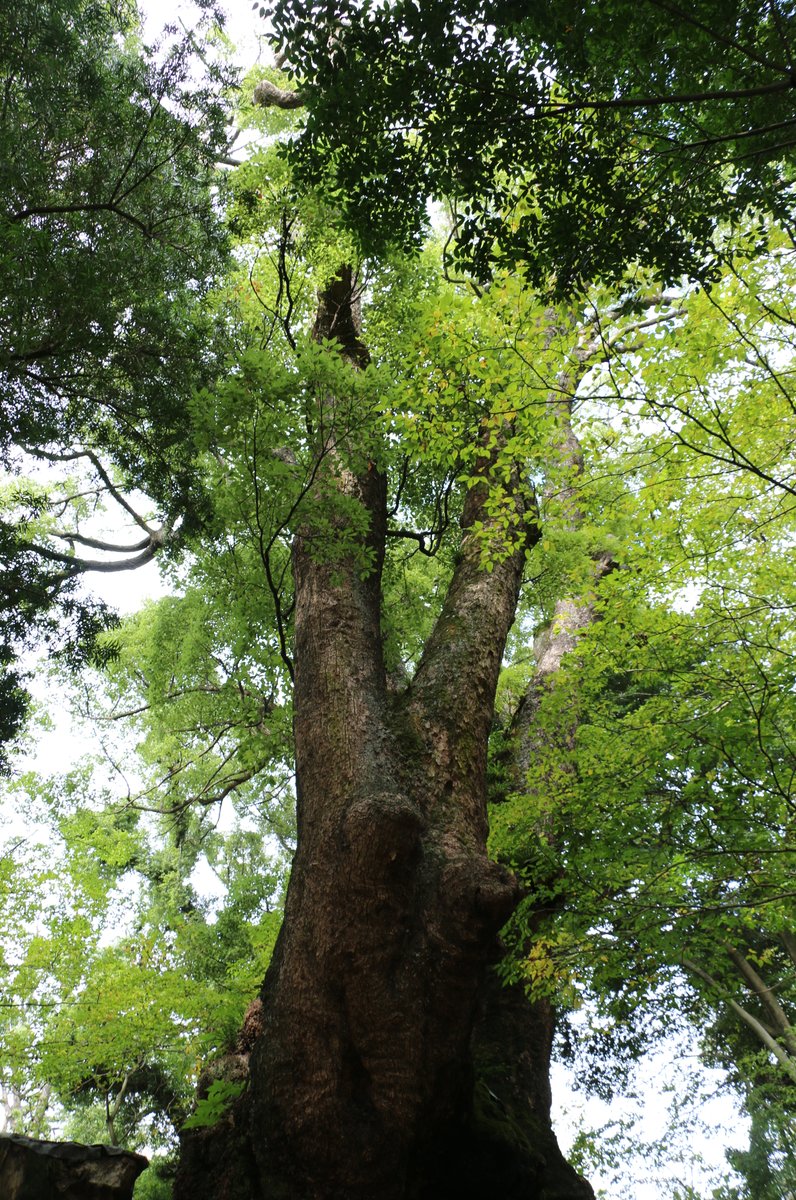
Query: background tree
pixel 684 747
pixel 109 238
pixel 118 977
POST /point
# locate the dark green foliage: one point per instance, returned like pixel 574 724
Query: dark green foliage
pixel 116 1032
pixel 107 230
pixel 572 143
pixel 108 236
pixel 37 604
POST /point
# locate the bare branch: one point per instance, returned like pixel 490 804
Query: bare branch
pixel 419 536
pixel 74 456
pixel 78 565
pixel 100 544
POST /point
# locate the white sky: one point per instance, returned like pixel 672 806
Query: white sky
pixel 243 25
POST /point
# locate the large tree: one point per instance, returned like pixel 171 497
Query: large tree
pixel 363 1080
pixel 365 1072
pixel 389 1064
pixel 625 717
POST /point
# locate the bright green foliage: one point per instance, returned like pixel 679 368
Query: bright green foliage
pixel 202 699
pixel 768 1168
pixel 694 486
pixel 119 980
pixel 215 1104
pixel 155 1183
pixel 657 826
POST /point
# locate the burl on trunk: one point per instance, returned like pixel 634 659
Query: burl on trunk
pixel 362 1081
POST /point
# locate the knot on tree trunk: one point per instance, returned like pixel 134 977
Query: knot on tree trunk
pixel 484 892
pixel 383 829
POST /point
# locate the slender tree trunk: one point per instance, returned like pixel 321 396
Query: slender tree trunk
pixel 513 1037
pixel 363 1082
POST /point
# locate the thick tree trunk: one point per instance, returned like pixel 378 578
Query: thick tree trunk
pixel 517 1150
pixel 362 1083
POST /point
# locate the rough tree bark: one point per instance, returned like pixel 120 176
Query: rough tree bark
pixel 363 1081
pixel 513 1037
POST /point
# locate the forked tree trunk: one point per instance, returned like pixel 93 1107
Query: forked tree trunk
pixel 363 1082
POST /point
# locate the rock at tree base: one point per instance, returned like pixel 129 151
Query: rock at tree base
pixel 34 1170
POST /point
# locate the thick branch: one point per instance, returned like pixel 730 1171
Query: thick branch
pixel 779 1052
pixel 457 675
pixel 228 784
pixel 765 995
pixel 101 544
pixel 112 1110
pixel 414 535
pixel 268 95
pixel 554 108
pixel 571 615
pixel 110 207
pixel 76 566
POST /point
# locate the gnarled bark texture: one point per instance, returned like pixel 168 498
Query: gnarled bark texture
pixel 363 1082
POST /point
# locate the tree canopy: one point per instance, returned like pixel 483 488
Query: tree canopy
pixel 570 141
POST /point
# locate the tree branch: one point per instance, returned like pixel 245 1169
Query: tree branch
pixel 99 544
pixel 555 108
pixel 74 456
pixel 79 565
pixel 268 95
pixel 690 19
pixel 789 942
pixel 759 1029
pixel 457 675
pixel 413 535
pixel 766 997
